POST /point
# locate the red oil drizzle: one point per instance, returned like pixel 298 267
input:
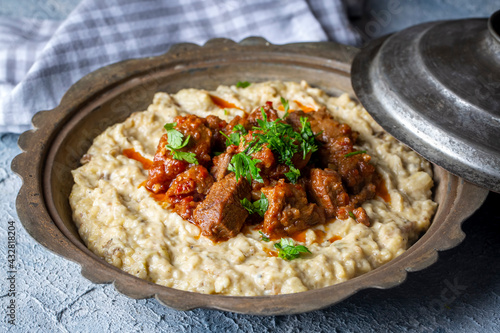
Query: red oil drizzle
pixel 303 107
pixel 270 253
pixel 320 236
pixel 132 154
pixel 334 238
pixel 223 104
pixel 382 192
pixel 301 236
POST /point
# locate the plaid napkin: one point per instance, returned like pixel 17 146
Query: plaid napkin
pixel 40 60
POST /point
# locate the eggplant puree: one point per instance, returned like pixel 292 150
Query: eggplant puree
pixel 182 224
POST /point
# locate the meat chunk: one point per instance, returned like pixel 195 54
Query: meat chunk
pixel 221 215
pixel 322 123
pixel 200 141
pixel 338 140
pixel 288 210
pixel 165 168
pixel 326 189
pixel 271 114
pixel 264 154
pixel 221 162
pixel 217 125
pixel 188 190
pixel 357 172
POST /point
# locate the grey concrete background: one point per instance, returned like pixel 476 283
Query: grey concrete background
pixel 460 293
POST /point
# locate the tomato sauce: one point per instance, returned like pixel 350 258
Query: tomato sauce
pixel 382 192
pixel 303 107
pixel 132 154
pixel 223 104
pixel 334 238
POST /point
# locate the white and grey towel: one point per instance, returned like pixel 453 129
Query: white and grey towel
pixel 40 60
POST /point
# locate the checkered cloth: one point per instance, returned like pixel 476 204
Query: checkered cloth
pixel 40 60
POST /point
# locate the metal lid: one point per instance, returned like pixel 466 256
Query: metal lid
pixel 436 88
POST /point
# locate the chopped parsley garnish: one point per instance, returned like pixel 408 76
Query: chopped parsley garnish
pixel 259 206
pixel 177 141
pixel 283 140
pixel 264 237
pixel 184 156
pixel 351 214
pixel 235 137
pixel 288 250
pixel 243 84
pixel 293 175
pixel 355 153
pixel 280 137
pixel 240 128
pixel 286 106
pixel 243 165
pixel 308 143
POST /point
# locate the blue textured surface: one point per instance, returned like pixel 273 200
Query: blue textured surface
pixel 460 293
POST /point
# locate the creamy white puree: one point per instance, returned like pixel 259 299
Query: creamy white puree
pixel 120 221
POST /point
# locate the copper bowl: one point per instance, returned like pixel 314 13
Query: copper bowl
pixel 109 95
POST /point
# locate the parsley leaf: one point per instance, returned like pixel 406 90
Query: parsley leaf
pixel 355 153
pixel 351 214
pixel 286 106
pixel 259 206
pixel 176 141
pixel 235 137
pixel 293 175
pixel 288 250
pixel 240 128
pixel 174 136
pixel 280 137
pixel 232 139
pixel 184 156
pixel 308 143
pixel 264 237
pixel 243 165
pixel 243 84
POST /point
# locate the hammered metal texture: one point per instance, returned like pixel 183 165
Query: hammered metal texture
pixel 436 87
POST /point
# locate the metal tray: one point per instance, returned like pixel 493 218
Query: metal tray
pixel 109 95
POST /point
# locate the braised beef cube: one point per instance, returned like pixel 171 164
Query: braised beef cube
pixel 200 141
pixel 322 123
pixel 368 191
pixel 188 190
pixel 164 169
pixel 237 120
pixel 289 211
pixel 257 187
pixel 217 125
pixel 194 182
pixel 271 114
pixel 359 214
pixel 221 215
pixel 264 154
pixel 337 140
pixel 326 189
pixel 221 162
pixel 356 171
